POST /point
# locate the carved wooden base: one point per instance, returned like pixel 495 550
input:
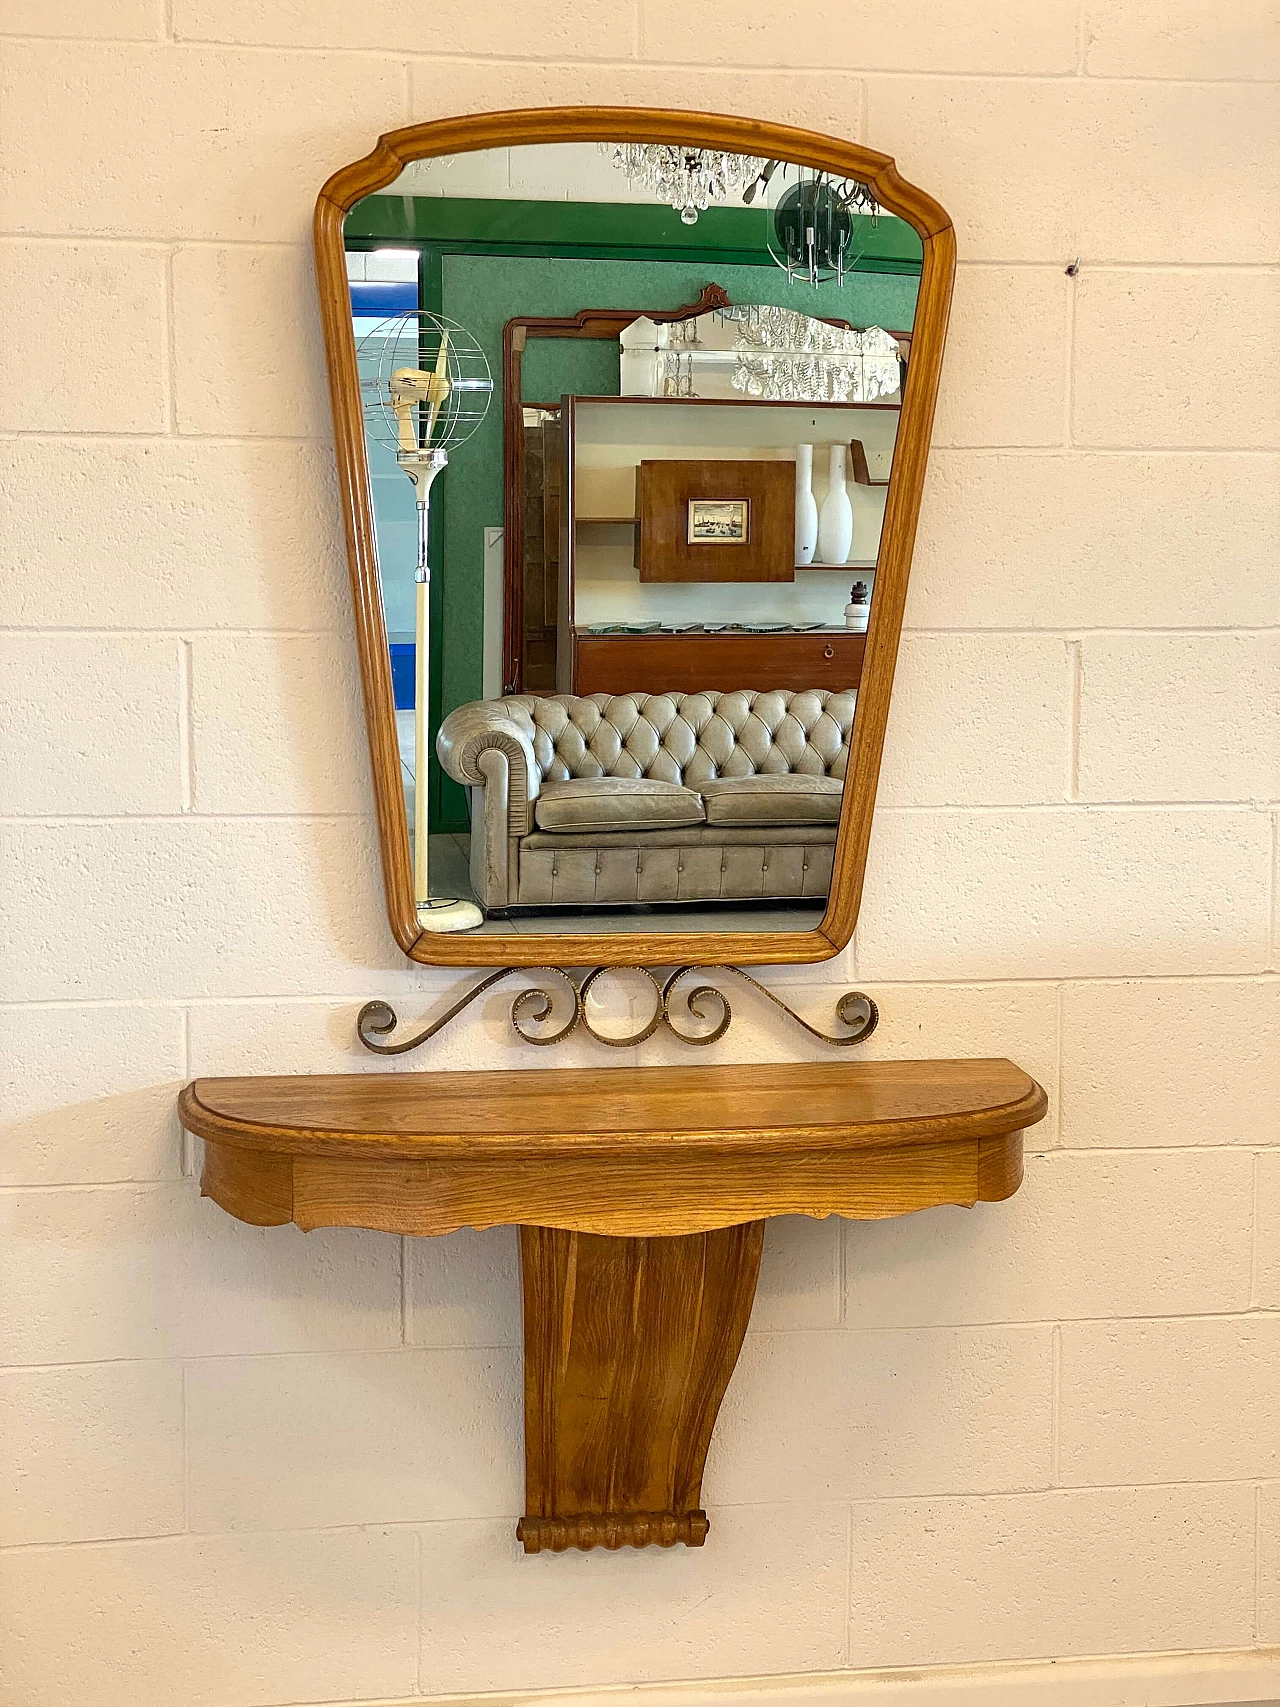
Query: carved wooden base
pixel 628 1345
pixel 613 1530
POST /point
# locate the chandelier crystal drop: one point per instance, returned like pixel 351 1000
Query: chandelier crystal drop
pixel 689 178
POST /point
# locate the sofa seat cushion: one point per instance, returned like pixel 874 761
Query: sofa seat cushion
pixel 604 803
pixel 788 798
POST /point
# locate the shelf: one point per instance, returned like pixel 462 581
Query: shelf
pixel 863 563
pixel 741 402
pixel 630 522
pixel 631 1151
pixel 641 1195
pixel 692 633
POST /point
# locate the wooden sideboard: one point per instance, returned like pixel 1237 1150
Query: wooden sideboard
pixel 696 663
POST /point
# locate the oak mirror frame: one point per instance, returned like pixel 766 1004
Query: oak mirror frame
pixel 529 127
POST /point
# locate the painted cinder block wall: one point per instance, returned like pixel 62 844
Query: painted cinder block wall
pixel 257 1467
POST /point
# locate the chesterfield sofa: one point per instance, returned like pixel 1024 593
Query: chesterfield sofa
pixel 605 800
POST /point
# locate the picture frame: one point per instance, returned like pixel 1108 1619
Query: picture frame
pixel 719 521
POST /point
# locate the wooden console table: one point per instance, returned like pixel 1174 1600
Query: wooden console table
pixel 641 1196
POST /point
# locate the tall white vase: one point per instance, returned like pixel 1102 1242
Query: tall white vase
pixel 806 507
pixel 835 519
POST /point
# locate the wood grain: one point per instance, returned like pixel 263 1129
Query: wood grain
pixel 634 1152
pixel 697 663
pixel 542 513
pixel 630 1198
pixel 635 124
pixel 628 1348
pixel 664 491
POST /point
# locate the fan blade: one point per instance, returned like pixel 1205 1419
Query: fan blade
pixel 442 372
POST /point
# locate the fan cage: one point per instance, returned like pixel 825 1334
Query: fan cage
pixel 414 341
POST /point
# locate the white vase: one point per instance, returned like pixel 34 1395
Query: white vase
pixel 806 507
pixel 835 519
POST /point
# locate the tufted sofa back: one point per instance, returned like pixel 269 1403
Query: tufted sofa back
pixel 689 738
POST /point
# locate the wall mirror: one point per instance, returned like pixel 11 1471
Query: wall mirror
pixel 632 411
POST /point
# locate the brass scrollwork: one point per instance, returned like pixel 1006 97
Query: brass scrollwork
pixel 675 1005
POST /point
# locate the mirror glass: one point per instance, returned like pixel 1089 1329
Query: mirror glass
pixel 630 414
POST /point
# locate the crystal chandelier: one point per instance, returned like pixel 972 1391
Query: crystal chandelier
pixel 761 351
pixel 689 178
pixel 795 358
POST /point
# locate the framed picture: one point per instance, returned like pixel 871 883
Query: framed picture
pixel 719 521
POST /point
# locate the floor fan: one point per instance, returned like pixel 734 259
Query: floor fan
pixel 426 386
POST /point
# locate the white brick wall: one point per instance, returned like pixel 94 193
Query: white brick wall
pixel 1059 1573
pixel 245 1467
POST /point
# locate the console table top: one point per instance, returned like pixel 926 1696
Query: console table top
pixel 635 1150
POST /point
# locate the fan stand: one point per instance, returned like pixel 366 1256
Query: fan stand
pixel 438 913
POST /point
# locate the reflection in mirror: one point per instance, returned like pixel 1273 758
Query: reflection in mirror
pixel 627 603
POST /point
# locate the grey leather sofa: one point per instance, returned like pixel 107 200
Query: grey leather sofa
pixel 586 800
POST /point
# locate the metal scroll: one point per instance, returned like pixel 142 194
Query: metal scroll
pixel 554 1006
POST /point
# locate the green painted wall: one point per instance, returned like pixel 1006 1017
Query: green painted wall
pixel 608 229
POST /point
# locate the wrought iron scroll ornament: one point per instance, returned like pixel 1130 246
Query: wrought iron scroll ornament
pixel 679 1006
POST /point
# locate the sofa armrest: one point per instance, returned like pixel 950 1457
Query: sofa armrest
pixel 489 726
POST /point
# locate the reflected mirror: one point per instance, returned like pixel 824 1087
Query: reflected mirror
pixel 629 413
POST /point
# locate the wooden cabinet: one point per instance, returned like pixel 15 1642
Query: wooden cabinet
pixel 696 663
pixel 633 468
pixel 667 493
